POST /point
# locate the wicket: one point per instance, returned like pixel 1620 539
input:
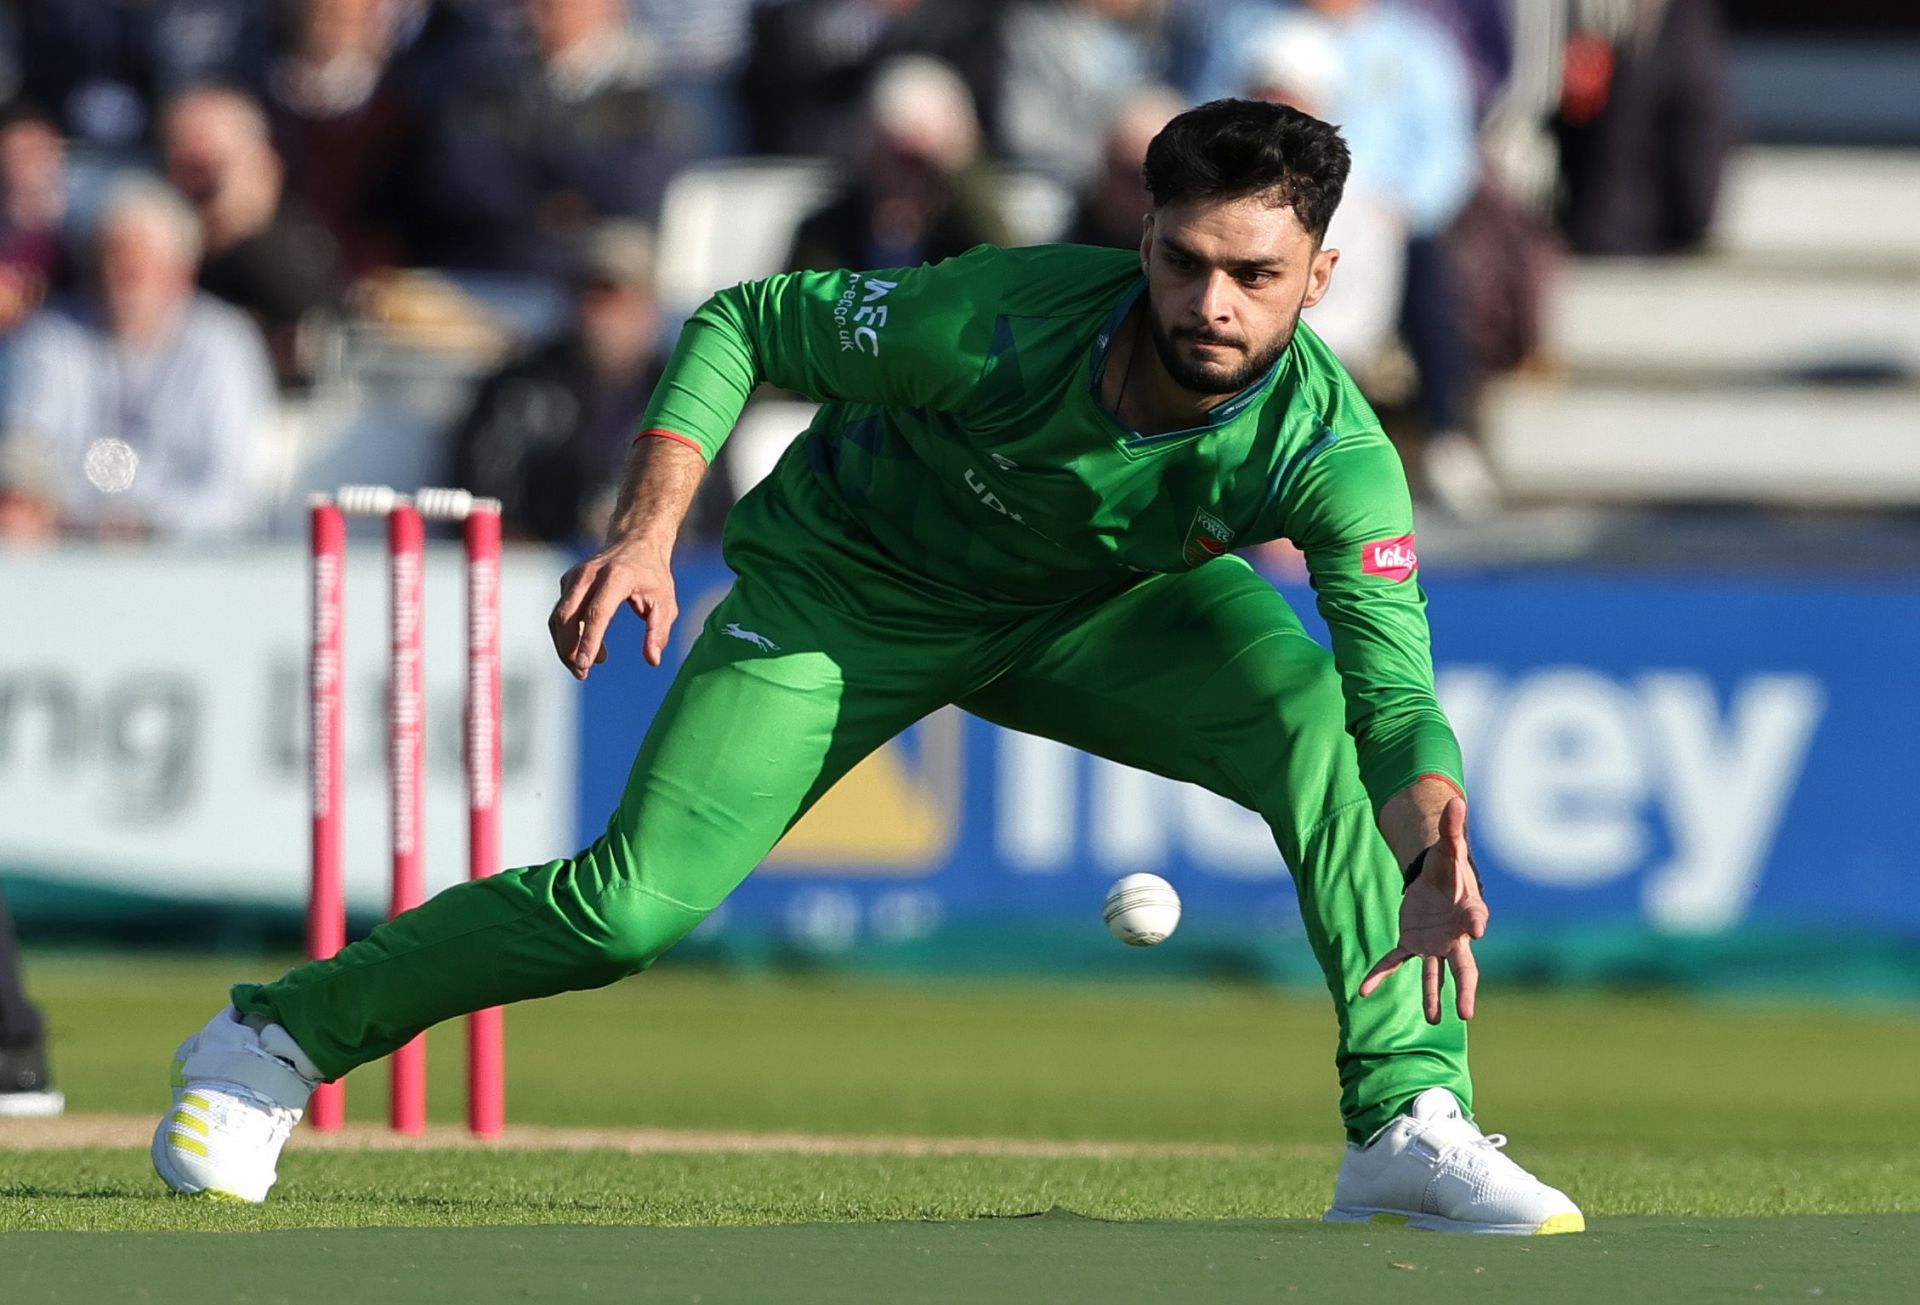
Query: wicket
pixel 406 757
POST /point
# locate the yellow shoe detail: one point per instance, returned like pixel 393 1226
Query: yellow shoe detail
pixel 1397 1220
pixel 1561 1223
pixel 187 1142
pixel 193 1123
pixel 195 1100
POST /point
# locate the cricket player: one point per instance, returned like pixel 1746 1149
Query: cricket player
pixel 1022 495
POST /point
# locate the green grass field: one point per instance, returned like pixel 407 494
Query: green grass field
pixel 1721 1151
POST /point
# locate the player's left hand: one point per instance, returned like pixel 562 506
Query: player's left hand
pixel 1441 915
pixel 590 594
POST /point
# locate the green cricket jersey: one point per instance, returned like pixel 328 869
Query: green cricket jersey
pixel 962 427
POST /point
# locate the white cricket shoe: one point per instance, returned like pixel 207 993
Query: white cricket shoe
pixel 238 1090
pixel 1433 1168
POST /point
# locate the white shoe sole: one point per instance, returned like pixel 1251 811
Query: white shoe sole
pixel 31 1105
pixel 1551 1225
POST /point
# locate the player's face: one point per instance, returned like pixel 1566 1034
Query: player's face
pixel 1226 282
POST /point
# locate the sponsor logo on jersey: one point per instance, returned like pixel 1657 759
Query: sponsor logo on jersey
pixel 988 497
pixel 1393 558
pixel 859 327
pixel 753 637
pixel 1207 538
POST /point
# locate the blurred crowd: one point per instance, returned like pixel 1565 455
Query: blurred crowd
pixel 201 200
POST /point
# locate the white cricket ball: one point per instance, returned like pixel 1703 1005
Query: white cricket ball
pixel 1142 910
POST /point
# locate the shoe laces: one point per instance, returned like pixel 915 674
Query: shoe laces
pixel 284 1119
pixel 1487 1142
pixel 279 1120
pixel 1458 1133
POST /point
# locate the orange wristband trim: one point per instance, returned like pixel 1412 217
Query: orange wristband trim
pixel 671 435
pixel 1444 779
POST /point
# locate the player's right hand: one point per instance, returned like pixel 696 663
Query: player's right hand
pixel 592 592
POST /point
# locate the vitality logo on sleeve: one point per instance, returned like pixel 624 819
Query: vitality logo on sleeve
pixel 1209 537
pixel 1394 558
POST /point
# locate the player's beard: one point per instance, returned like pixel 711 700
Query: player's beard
pixel 1211 380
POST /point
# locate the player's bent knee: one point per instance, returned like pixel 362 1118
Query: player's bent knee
pixel 640 927
pixel 613 923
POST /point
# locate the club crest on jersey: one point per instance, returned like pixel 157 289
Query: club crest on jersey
pixel 1394 559
pixel 1207 538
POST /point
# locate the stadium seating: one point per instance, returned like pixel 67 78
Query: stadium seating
pixel 734 220
pixel 1781 367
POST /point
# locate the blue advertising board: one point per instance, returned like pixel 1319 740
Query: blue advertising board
pixel 1655 764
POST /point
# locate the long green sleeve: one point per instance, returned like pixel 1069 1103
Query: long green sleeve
pixel 1350 513
pixel 905 337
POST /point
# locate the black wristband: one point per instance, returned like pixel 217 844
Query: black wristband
pixel 1411 870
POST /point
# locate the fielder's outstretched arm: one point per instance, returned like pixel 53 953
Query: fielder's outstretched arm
pixel 635 567
pixel 1349 510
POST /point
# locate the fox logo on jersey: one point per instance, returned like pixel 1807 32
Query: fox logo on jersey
pixel 1394 559
pixel 753 637
pixel 1209 537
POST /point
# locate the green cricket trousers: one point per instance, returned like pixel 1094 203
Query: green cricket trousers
pixel 824 650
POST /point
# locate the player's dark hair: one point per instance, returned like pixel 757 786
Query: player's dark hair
pixel 1231 149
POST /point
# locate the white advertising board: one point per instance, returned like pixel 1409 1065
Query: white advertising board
pixel 153 724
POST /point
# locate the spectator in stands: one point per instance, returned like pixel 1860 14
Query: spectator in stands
pixel 1297 61
pixel 916 194
pixel 432 40
pixel 341 125
pixel 1208 41
pixel 1113 206
pixel 1645 125
pixel 813 63
pixel 1482 31
pixel 1067 67
pixel 33 212
pixel 101 65
pixel 145 392
pixel 703 51
pixel 526 151
pixel 263 251
pixel 547 433
pixel 29 492
pixel 1405 106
